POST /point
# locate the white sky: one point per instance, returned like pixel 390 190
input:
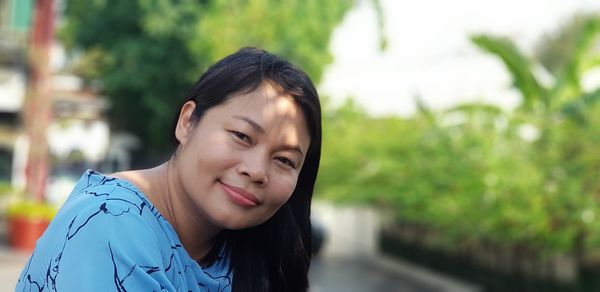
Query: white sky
pixel 429 53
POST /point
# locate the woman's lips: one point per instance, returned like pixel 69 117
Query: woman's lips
pixel 240 196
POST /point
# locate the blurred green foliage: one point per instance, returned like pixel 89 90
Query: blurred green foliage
pixel 31 210
pixel 527 177
pixel 5 188
pixel 148 53
pixel 555 48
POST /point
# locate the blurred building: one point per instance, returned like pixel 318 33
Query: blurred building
pixel 78 135
pixel 15 16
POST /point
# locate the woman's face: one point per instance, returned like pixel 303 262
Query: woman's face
pixel 240 162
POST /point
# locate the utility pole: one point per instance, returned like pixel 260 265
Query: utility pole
pixel 37 112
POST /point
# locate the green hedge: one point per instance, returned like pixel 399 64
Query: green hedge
pixel 471 172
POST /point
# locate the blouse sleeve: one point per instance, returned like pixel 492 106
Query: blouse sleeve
pixel 108 248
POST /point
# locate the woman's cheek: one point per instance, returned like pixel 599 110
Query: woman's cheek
pixel 287 189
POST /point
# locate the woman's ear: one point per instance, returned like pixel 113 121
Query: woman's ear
pixel 185 123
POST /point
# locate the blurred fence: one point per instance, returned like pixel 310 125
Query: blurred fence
pixel 492 265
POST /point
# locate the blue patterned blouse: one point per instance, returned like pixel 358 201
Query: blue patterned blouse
pixel 109 237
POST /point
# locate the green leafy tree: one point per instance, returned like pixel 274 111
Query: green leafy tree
pixel 147 53
pixel 557 110
pixel 555 49
pixel 565 95
pixel 472 173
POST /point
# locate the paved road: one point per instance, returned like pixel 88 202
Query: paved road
pixel 379 274
pixel 349 275
pixel 11 264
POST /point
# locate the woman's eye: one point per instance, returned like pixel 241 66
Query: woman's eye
pixel 286 162
pixel 241 136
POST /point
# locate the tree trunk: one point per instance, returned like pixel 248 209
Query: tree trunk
pixel 38 104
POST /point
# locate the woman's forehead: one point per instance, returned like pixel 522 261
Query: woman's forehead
pixel 266 98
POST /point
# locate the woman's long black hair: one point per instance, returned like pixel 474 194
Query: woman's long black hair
pixel 275 255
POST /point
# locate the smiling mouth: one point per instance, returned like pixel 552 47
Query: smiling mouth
pixel 239 196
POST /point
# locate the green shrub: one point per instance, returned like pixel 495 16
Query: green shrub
pixel 31 210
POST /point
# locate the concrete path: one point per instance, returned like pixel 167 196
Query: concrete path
pixel 379 274
pixel 11 264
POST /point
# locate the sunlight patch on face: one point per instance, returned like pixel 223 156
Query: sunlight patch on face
pixel 287 117
pixel 280 115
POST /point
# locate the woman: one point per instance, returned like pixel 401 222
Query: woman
pixel 228 212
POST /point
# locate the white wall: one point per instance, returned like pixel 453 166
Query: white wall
pixel 12 89
pixel 351 230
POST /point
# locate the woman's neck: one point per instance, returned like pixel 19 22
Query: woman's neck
pixel 196 233
pixel 163 188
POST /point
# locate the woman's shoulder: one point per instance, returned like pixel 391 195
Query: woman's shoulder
pixel 104 211
pixel 109 225
pixel 102 206
pixel 110 194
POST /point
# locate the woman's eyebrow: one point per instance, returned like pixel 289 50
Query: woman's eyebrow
pixel 252 123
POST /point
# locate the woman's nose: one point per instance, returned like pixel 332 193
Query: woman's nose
pixel 255 167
